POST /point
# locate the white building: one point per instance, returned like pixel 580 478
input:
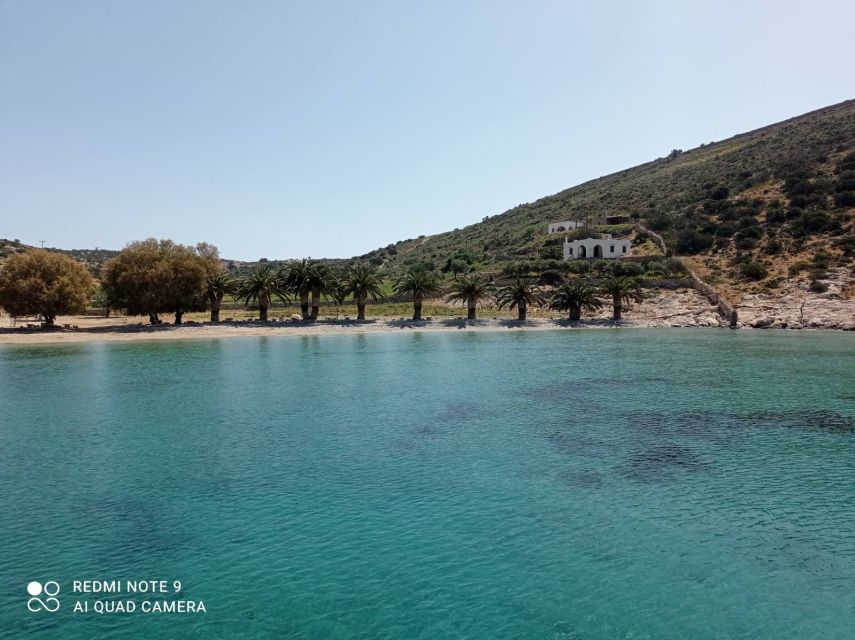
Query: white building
pixel 567 225
pixel 605 248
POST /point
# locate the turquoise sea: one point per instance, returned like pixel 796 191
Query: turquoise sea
pixel 564 485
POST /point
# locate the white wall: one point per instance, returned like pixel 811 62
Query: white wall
pixel 611 248
pixel 569 225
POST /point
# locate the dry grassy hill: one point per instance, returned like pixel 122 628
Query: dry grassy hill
pixel 750 209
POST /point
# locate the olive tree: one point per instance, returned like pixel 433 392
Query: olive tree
pixel 44 283
pixel 151 277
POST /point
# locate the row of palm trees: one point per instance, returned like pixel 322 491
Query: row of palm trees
pixel 309 281
pixel 305 280
pixel 524 292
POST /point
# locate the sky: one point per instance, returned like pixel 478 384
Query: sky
pixel 327 129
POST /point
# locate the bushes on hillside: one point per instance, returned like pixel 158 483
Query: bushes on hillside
pixel 753 270
pixel 692 241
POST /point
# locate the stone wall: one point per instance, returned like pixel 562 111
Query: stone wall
pixel 725 309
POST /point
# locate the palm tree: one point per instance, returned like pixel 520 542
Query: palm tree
pixel 521 293
pixel 297 277
pixel 262 285
pixel 337 290
pixel 362 281
pixel 419 284
pixel 319 281
pixel 621 289
pixel 470 290
pixel 576 296
pixel 217 286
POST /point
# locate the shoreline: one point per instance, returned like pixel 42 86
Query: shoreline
pixel 209 331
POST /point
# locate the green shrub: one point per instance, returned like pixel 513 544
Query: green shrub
pixel 797 267
pixel 692 241
pixel 822 260
pixel 754 270
pixel 845 199
pixel 719 192
pixel 818 287
pixel 725 229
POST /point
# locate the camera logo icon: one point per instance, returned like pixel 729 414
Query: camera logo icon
pixel 49 590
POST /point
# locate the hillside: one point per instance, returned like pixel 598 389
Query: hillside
pixel 747 209
pixel 94 259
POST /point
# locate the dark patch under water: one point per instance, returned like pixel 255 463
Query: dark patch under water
pixel 814 420
pixel 584 387
pixel 462 410
pixel 582 479
pixel 720 424
pixel 579 445
pixel 661 462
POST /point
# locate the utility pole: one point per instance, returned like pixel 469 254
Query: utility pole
pixel 43 243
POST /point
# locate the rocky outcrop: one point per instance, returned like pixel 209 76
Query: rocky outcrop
pixel 667 308
pixel 794 306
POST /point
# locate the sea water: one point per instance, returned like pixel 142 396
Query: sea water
pixel 567 485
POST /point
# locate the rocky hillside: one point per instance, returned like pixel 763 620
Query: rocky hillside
pixel 751 211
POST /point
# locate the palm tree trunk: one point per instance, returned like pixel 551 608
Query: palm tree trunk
pixel 471 313
pixel 304 305
pixel 215 310
pixel 618 307
pixel 263 311
pixel 521 312
pixel 417 308
pixel 575 312
pixel 178 316
pixel 360 309
pixel 316 305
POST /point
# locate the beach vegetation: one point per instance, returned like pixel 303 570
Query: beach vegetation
pixel 150 277
pixel 420 286
pixel 621 290
pixel 522 293
pixel 470 290
pixel 44 283
pixel 298 277
pixel 217 286
pixel 261 287
pixel 575 297
pixel 363 283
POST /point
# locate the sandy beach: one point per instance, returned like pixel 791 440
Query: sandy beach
pixel 134 333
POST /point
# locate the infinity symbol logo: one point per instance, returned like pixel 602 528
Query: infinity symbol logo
pixel 50 603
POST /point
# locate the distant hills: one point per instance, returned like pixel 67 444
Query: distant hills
pixel 92 258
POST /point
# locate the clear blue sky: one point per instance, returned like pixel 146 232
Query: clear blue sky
pixel 283 129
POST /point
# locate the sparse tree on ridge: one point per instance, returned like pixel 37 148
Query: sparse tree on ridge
pixel 621 289
pixel 363 283
pixel 576 297
pixel 420 285
pixel 469 290
pixel 261 286
pixel 522 293
pixel 44 283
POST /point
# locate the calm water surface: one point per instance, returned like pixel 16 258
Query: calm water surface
pixel 564 485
